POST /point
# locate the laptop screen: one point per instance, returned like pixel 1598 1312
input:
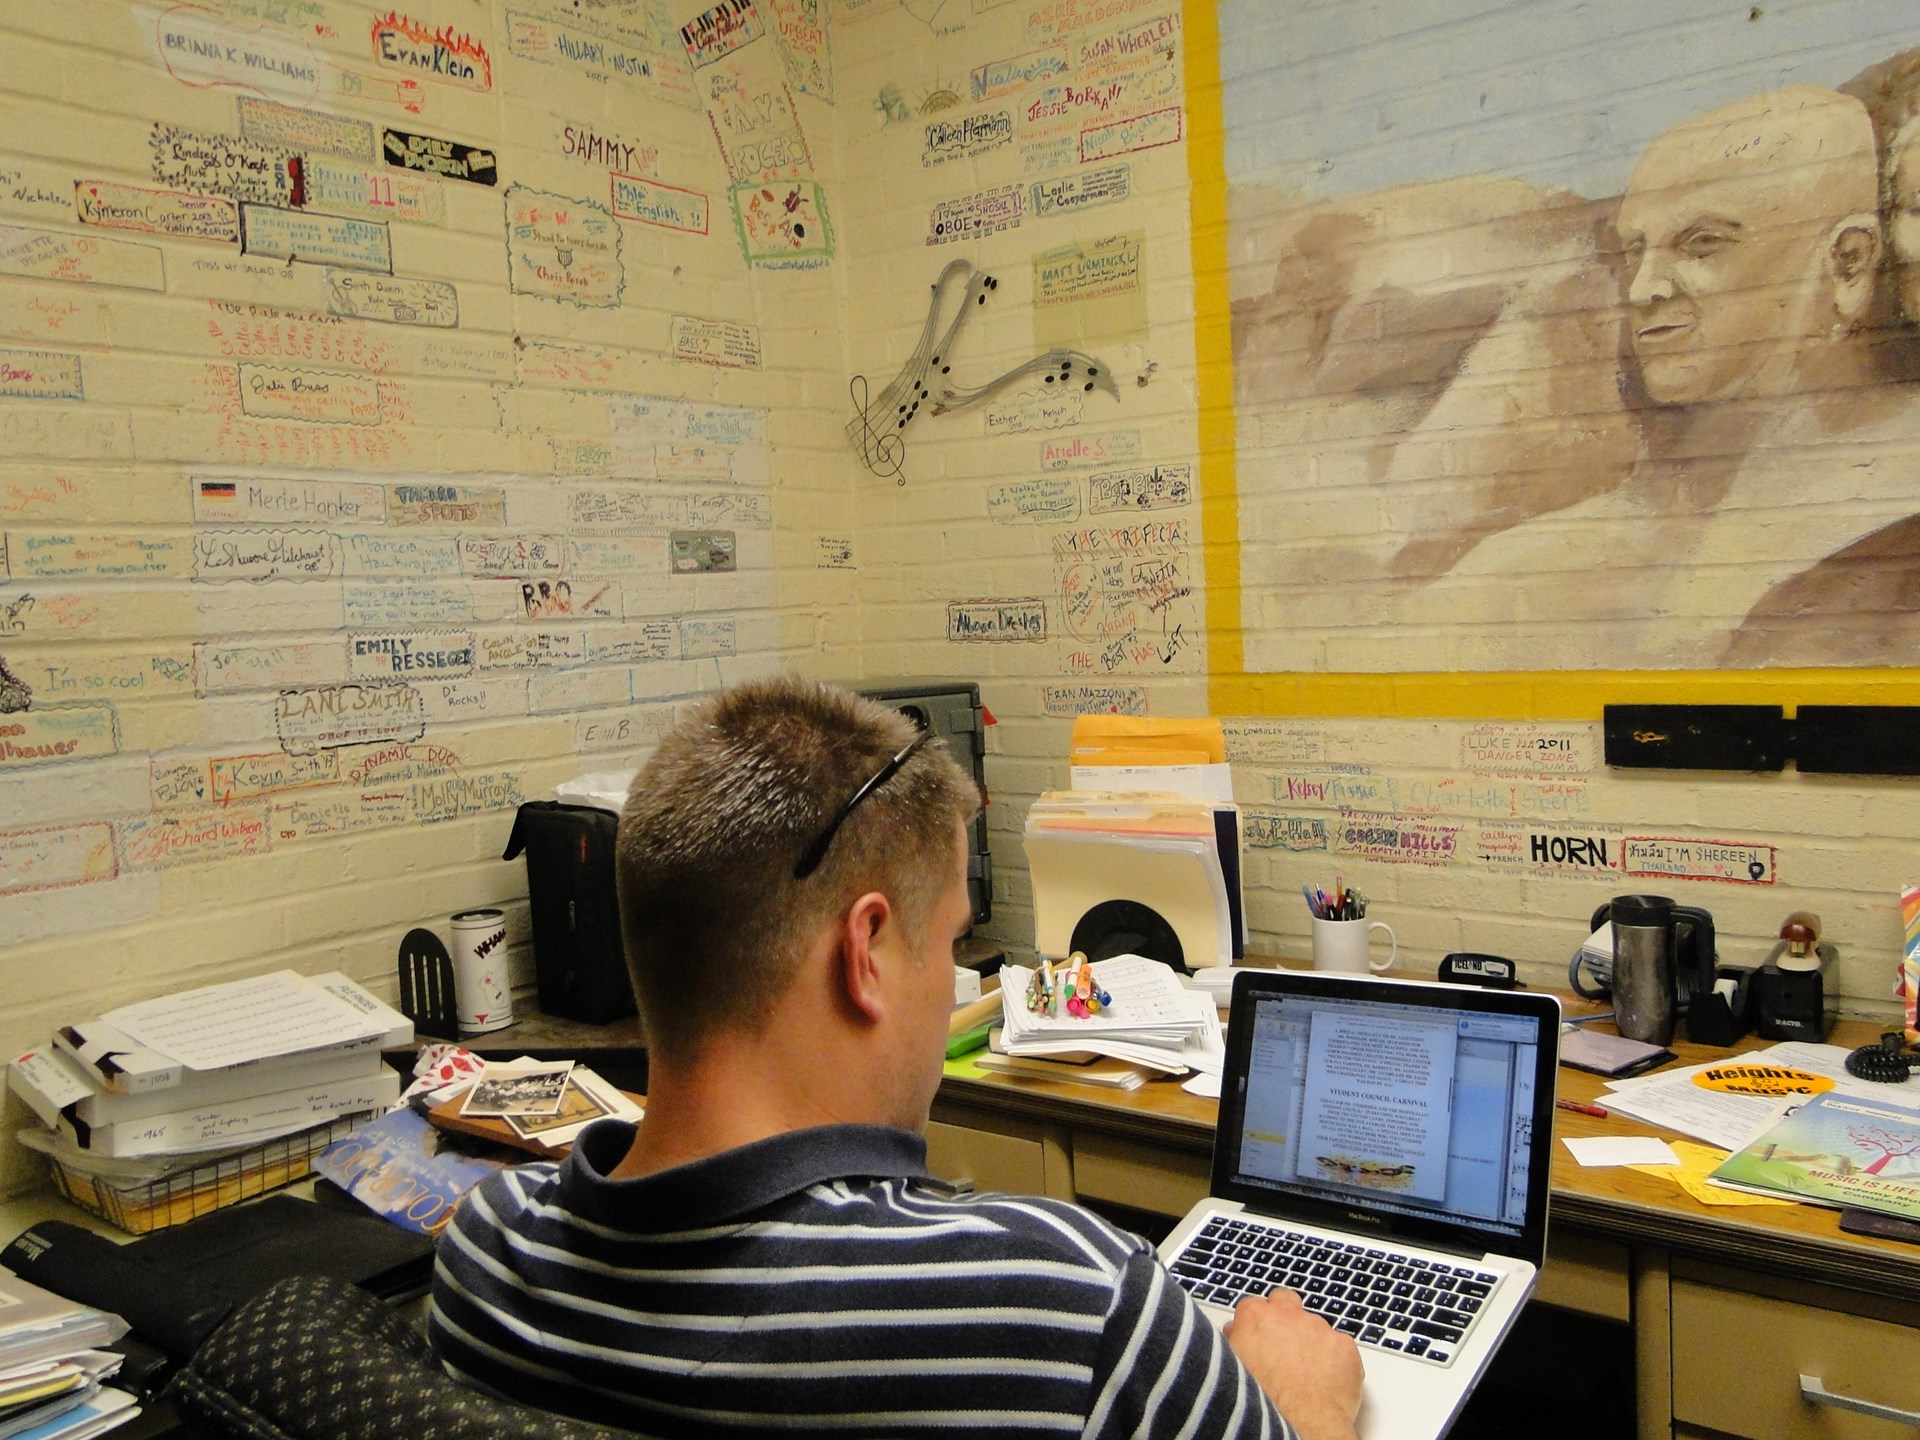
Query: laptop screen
pixel 1417 1110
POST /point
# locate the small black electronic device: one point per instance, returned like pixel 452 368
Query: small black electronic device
pixel 579 955
pixel 1468 967
pixel 951 709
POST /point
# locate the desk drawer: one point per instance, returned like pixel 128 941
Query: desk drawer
pixel 986 1160
pixel 1592 1277
pixel 1141 1177
pixel 1738 1359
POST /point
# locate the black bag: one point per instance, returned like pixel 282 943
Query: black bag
pixel 579 962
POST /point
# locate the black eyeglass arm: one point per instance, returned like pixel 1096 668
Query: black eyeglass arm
pixel 811 857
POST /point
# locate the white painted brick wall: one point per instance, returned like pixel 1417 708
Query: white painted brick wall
pixel 516 400
pixel 497 404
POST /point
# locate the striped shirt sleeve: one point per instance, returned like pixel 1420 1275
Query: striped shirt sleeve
pixel 1165 1372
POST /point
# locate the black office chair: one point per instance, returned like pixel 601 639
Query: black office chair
pixel 313 1358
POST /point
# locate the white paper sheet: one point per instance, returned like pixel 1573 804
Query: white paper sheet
pixel 1672 1100
pixel 1620 1150
pixel 278 1014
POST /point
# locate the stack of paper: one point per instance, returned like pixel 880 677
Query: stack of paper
pixel 1158 743
pixel 50 1368
pixel 1079 1069
pixel 1727 1119
pixel 1152 1020
pixel 1176 855
pixel 1147 842
pixel 215 1068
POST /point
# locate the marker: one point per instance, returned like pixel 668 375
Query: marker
pixel 1579 1109
pixel 968 1041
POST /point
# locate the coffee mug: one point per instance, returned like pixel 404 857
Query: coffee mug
pixel 1341 945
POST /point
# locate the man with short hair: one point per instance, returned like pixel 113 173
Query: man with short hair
pixel 765 1251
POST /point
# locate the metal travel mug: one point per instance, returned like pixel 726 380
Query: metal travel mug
pixel 1644 993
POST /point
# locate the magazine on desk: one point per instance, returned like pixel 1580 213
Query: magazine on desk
pixel 1834 1149
pixel 401 1167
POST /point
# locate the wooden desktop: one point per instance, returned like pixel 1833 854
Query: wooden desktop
pixel 1729 1306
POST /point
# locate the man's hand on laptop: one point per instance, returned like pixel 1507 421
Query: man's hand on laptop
pixel 1310 1371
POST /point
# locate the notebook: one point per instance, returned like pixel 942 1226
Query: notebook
pixel 1383 1149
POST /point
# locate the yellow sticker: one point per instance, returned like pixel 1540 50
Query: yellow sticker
pixel 1769 1080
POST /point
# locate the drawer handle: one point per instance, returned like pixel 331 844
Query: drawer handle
pixel 1814 1389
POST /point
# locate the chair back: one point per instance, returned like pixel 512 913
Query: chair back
pixel 315 1358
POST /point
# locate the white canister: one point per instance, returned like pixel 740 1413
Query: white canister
pixel 480 971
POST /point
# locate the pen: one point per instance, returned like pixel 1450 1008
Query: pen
pixel 1579 1109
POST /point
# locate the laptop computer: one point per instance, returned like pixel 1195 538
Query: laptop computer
pixel 1382 1149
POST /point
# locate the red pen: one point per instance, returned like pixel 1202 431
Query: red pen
pixel 1578 1108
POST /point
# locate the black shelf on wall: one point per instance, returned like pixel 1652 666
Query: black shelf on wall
pixel 1818 739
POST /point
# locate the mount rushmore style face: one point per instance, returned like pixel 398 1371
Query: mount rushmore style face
pixel 1750 237
pixel 1486 424
pixel 1903 216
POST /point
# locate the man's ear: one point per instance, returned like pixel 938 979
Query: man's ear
pixel 1853 267
pixel 867 920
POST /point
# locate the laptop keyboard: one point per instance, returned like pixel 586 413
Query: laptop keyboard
pixel 1384 1299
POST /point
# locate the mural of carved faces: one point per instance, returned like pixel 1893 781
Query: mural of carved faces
pixel 1729 223
pixel 1903 220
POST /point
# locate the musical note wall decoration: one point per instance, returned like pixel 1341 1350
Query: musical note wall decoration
pixel 879 423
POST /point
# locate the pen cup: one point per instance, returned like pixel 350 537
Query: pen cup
pixel 1341 946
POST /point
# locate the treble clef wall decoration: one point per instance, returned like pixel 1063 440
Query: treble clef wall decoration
pixel 878 427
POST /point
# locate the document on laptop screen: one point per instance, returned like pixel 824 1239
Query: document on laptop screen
pixel 1376 1103
pixel 1413 1108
